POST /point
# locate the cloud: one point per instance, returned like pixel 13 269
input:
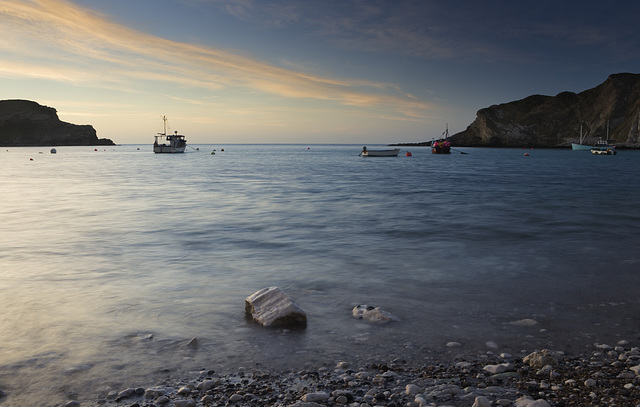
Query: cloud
pixel 464 30
pixel 59 40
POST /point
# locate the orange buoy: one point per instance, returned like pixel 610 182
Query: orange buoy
pixel 409 154
pixel 526 154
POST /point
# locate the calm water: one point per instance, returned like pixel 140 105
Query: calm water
pixel 112 260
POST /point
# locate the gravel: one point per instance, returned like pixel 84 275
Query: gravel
pixel 608 376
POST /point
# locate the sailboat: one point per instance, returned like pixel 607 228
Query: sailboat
pixel 177 142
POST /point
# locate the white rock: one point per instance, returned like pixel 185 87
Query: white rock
pixel 590 383
pixel 524 322
pixel 420 400
pixel 372 314
pixel 481 401
pixel 527 402
pixel 453 344
pixel 412 389
pixel 270 307
pixel 317 396
pixel 635 369
pixel 501 368
pixel 540 359
pixel 362 375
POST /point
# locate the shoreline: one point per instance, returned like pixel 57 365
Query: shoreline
pixel 605 375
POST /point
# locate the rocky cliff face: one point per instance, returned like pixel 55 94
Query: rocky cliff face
pixel 26 123
pixel 555 121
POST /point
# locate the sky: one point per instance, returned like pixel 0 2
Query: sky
pixel 304 71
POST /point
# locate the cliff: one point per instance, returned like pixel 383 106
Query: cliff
pixel 26 123
pixel 555 121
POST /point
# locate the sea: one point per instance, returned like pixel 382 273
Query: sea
pixel 113 259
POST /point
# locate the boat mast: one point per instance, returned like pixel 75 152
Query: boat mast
pixel 164 122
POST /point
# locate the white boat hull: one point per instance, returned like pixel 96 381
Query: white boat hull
pixel 381 153
pixel 168 149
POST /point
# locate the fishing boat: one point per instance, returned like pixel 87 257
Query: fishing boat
pixel 442 146
pixel 177 142
pixel 602 145
pixel 379 153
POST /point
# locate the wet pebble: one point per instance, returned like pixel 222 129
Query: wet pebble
pixel 541 378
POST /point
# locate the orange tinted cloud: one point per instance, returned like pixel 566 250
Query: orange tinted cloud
pixel 81 46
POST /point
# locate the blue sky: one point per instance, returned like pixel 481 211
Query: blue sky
pixel 303 71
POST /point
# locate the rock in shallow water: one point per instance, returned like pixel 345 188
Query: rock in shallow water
pixel 374 315
pixel 270 307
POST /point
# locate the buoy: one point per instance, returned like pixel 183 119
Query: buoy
pixel 409 154
pixel 526 154
pixel 95 149
pixel 53 151
pixel 213 152
pixel 30 159
pixel 222 149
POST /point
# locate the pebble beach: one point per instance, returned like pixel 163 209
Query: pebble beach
pixel 606 375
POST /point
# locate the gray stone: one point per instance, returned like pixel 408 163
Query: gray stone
pixel 375 315
pixel 130 392
pixel 540 359
pixel 235 397
pixel 270 307
pixel 501 368
pixel 154 393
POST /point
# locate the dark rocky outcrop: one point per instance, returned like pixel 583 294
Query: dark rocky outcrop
pixel 26 123
pixel 555 121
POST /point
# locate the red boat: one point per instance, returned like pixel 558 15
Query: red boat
pixel 442 146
